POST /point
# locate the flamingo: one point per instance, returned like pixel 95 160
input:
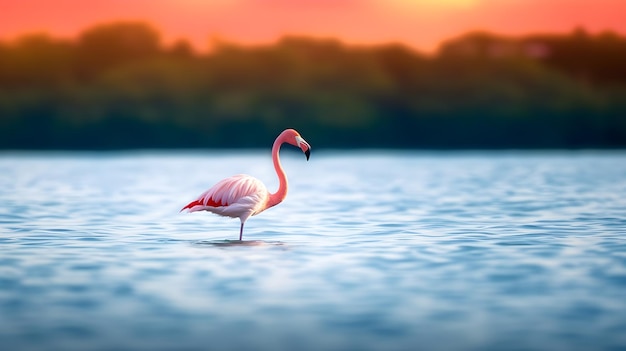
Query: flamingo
pixel 242 196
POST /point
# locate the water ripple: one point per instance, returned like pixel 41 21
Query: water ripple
pixel 370 251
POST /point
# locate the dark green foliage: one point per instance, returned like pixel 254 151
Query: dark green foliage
pixel 118 87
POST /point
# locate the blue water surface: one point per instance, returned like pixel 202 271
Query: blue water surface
pixel 371 250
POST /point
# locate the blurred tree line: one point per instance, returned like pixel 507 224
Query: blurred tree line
pixel 117 86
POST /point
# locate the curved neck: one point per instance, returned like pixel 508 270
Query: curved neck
pixel 280 194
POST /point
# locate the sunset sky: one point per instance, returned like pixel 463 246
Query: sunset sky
pixel 421 24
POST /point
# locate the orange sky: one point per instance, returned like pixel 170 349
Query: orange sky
pixel 419 23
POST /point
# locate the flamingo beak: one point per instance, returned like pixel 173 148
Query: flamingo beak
pixel 302 144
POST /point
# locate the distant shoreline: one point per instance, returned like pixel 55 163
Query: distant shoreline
pixel 118 88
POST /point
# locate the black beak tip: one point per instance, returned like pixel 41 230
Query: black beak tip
pixel 307 153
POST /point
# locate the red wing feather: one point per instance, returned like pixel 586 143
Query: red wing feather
pixel 200 202
pixel 191 204
pixel 213 203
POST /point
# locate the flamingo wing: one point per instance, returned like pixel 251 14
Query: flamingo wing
pixel 238 196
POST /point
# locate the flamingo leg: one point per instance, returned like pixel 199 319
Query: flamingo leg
pixel 241 231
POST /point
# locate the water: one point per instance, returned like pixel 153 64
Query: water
pixel 370 251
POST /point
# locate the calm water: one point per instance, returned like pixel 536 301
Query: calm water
pixel 370 251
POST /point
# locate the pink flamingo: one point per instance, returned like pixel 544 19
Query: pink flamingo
pixel 242 196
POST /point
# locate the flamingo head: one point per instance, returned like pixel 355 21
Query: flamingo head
pixel 293 137
pixel 304 146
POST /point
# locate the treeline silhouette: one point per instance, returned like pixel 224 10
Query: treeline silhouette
pixel 117 86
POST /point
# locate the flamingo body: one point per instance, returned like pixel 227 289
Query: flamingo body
pixel 242 196
pixel 239 196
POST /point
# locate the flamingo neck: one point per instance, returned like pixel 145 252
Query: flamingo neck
pixel 281 193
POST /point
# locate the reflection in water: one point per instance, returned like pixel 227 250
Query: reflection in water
pixel 236 243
